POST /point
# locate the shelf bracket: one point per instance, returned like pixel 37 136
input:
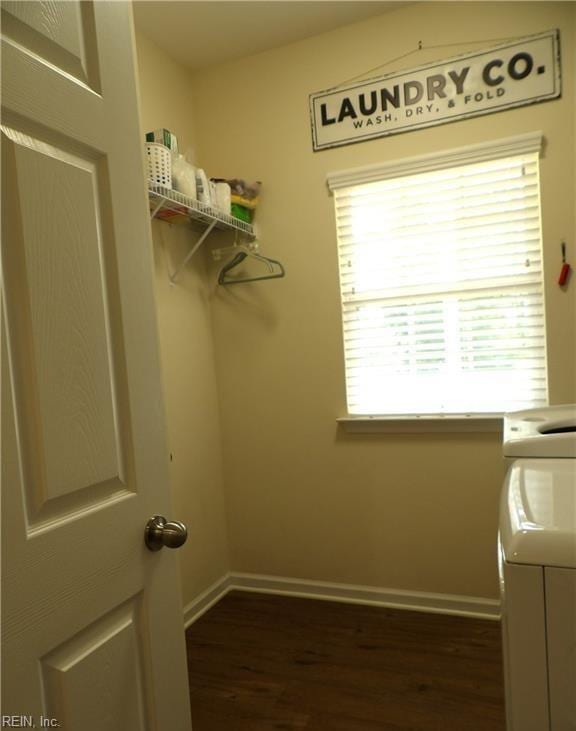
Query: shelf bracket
pixel 183 207
pixel 157 207
pixel 192 251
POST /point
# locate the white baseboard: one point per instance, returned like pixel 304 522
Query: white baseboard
pixel 419 601
pixel 206 599
pixel 465 606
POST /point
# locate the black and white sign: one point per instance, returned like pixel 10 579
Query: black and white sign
pixel 520 72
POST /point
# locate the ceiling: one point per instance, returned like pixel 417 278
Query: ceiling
pixel 200 34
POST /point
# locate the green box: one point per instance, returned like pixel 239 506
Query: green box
pixel 241 212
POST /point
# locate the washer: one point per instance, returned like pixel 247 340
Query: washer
pixel 537 561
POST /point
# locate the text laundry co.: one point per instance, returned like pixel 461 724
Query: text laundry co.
pixel 522 72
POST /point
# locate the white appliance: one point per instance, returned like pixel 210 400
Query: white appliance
pixel 537 557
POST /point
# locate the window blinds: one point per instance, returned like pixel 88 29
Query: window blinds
pixel 442 294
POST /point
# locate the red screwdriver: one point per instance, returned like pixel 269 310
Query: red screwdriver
pixel 565 271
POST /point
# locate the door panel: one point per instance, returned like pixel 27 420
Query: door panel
pixel 115 641
pixel 63 293
pixel 61 33
pixel 92 620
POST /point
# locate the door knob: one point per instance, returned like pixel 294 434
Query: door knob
pixel 160 532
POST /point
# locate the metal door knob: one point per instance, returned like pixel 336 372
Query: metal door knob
pixel 160 532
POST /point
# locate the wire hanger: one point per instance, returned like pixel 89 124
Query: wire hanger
pixel 274 267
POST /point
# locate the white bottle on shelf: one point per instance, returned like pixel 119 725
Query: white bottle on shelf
pixel 183 176
pixel 203 187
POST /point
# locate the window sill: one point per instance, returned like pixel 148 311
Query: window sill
pixel 413 424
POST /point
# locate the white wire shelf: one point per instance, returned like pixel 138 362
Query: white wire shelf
pixel 169 205
pixel 173 207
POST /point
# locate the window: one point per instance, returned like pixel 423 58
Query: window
pixel 441 282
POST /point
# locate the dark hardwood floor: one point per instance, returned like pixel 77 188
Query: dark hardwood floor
pixel 259 662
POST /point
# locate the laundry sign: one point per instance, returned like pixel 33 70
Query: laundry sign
pixel 520 72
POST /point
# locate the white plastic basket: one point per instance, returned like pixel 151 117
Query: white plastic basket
pixel 159 164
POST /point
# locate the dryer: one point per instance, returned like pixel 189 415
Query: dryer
pixel 537 561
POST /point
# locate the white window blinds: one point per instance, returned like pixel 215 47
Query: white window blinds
pixel 442 294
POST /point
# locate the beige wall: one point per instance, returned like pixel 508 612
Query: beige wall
pixel 573 247
pixel 305 499
pixel 187 349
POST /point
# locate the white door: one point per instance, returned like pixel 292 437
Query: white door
pixel 92 620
